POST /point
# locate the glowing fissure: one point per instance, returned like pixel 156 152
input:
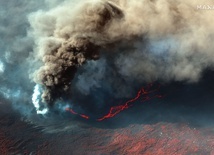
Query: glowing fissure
pixel 75 113
pixel 143 91
pixel 117 109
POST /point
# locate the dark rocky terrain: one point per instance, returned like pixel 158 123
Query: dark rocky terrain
pixel 156 129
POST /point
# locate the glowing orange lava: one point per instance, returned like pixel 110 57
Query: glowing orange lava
pixel 144 94
pixel 75 113
pixel 141 93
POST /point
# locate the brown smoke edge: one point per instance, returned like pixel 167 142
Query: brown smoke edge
pixel 61 64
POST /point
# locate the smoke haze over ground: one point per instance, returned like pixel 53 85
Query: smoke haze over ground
pixel 143 40
pixel 74 62
pixel 81 53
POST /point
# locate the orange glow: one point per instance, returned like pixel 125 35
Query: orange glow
pixel 144 94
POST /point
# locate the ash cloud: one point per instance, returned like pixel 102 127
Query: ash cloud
pixel 142 41
pixel 69 42
pixel 74 49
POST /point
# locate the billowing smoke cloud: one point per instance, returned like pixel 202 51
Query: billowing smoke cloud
pixel 90 50
pixel 69 42
pixel 140 41
pixel 15 47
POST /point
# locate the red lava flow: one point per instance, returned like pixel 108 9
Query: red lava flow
pixel 144 94
pixel 162 138
pixel 75 113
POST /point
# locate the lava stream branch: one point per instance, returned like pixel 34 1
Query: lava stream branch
pixel 75 113
pixel 141 93
pixel 144 94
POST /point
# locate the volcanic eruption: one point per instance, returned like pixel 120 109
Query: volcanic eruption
pixel 111 76
pixel 64 52
pixel 147 41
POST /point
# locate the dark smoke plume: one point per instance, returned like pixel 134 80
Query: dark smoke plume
pixel 100 48
pixel 64 53
pixel 148 40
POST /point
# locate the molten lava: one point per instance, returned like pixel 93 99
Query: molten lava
pixel 75 113
pixel 141 94
pixel 144 94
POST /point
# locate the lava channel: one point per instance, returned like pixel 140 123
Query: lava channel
pixel 75 113
pixel 144 94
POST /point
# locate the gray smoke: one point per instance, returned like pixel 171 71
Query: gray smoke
pixel 148 40
pixel 15 48
pixel 66 44
pixel 81 46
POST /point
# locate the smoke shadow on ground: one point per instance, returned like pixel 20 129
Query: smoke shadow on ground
pixel 191 104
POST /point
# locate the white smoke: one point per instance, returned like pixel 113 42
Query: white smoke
pixel 36 100
pixel 2 67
